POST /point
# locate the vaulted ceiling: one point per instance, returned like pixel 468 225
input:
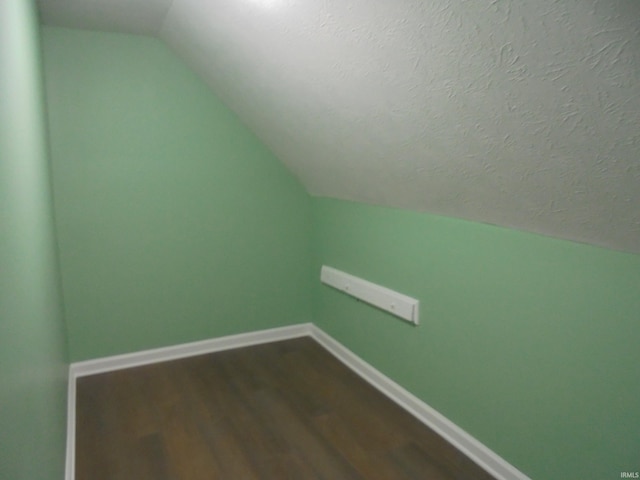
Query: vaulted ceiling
pixel 524 114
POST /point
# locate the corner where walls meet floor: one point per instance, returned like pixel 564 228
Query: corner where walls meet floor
pixel 460 439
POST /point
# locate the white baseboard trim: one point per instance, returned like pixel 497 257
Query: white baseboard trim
pixel 174 352
pixel 467 444
pixel 70 462
pixel 146 357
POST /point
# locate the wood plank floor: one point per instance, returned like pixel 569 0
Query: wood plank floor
pixel 284 410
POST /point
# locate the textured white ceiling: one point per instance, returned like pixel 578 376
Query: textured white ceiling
pixel 524 114
pixel 130 16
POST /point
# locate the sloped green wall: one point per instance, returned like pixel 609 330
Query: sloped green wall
pixel 528 343
pixel 33 369
pixel 175 223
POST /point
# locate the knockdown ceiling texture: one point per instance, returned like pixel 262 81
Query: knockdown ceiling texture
pixel 524 114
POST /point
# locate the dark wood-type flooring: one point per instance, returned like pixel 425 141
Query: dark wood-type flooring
pixel 284 410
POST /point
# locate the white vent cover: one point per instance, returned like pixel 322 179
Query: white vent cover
pixel 393 302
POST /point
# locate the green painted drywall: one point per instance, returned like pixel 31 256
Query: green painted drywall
pixel 33 369
pixel 528 343
pixel 175 223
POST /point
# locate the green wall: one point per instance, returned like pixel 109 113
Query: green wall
pixel 32 348
pixel 528 343
pixel 175 223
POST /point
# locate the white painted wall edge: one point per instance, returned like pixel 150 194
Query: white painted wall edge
pixel 467 444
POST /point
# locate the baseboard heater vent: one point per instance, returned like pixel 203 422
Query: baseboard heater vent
pixel 393 302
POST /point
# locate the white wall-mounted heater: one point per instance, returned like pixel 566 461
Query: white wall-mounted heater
pixel 393 302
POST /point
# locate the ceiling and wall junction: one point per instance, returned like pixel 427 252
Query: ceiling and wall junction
pixel 520 114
